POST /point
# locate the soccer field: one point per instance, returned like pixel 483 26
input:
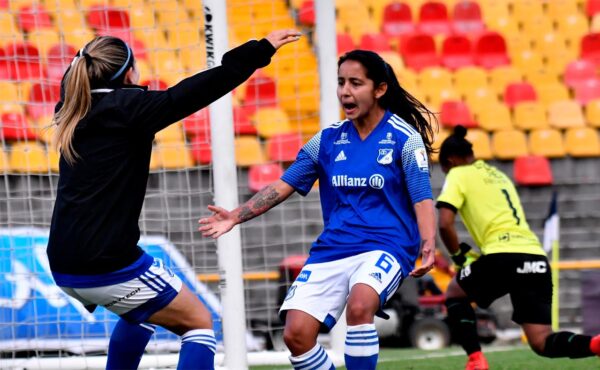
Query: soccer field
pixel 505 358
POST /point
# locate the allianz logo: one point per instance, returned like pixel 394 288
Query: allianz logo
pixel 376 181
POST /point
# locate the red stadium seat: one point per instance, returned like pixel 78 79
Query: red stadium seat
pixel 42 99
pixel 592 7
pixel 108 21
pixel 490 50
pixel 590 48
pixel 454 113
pixel 139 49
pixel 261 91
pixel 14 127
pixel 345 43
pixel 588 90
pixel 284 147
pixel 155 84
pixel 261 175
pixel 532 171
pixel 433 18
pixel 579 71
pixel 466 17
pixel 242 125
pixel 24 62
pixel 457 52
pixel 306 13
pixel 4 66
pixel 397 19
pixel 33 17
pixel 419 52
pixel 519 92
pixel 201 151
pixel 198 124
pixel 59 58
pixel 375 42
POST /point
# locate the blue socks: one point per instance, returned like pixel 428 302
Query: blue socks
pixel 127 344
pixel 315 359
pixel 198 349
pixel 362 347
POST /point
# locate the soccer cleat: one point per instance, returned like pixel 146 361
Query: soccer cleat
pixel 595 345
pixel 477 361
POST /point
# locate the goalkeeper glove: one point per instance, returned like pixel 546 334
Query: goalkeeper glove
pixel 465 255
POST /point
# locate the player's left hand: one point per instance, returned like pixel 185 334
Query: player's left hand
pixel 279 38
pixel 218 224
pixel 427 259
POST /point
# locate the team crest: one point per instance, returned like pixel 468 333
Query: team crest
pixel 290 292
pixel 386 156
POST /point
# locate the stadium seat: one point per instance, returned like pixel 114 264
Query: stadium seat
pixel 565 114
pixel 481 143
pixel 523 10
pixel 587 90
pixel 435 97
pixel 42 99
pixel 15 128
pixel 43 39
pixel 495 117
pixel 582 142
pixel 419 51
pixel 393 59
pixel 530 115
pixel 434 78
pixel 261 91
pixel 142 16
pixel 28 158
pixel 33 17
pixel 284 147
pixel 306 13
pixel 592 7
pixel 198 124
pixel 578 71
pixel 345 43
pixel 53 159
pixel 397 19
pixel 171 134
pixel 490 50
pixel 24 62
pixel 248 151
pixel 547 142
pixel 466 17
pixel 532 170
pixel 8 92
pixel 556 9
pixel 261 175
pixel 550 93
pixel 501 76
pixel 507 25
pixel 456 52
pixel 173 155
pixel 58 59
pixel 68 20
pixel 509 144
pixel 519 92
pixel 481 99
pixel 469 78
pixel 573 27
pixel 551 44
pixel 590 48
pixel 433 18
pixel 201 150
pixel 155 84
pixel 592 113
pixel 454 113
pixel 376 42
pixel 78 36
pixel 271 121
pixel 527 60
pixel 536 23
pixel 4 162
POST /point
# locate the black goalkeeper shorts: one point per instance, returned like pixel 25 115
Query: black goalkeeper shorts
pixel 526 277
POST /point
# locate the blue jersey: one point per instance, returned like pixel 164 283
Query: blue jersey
pixel 367 188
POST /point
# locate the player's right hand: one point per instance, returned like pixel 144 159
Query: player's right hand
pixel 218 224
pixel 465 256
pixel 279 38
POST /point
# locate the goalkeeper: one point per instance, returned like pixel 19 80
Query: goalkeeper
pixel 512 262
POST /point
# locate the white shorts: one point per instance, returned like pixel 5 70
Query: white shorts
pixel 321 289
pixel 134 300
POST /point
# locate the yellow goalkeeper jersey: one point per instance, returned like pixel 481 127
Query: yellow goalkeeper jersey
pixel 489 206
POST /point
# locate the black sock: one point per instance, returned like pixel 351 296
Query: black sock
pixel 567 344
pixel 463 324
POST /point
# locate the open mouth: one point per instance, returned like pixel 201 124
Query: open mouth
pixel 349 107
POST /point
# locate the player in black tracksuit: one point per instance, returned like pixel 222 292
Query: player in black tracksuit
pixel 105 128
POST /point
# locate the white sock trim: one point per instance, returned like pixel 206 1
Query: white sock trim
pixel 205 337
pixel 362 341
pixel 315 359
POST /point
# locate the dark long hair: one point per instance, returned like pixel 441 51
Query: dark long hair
pixel 455 145
pixel 396 99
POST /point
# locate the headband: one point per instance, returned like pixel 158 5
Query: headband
pixel 125 65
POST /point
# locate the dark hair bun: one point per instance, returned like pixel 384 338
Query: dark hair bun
pixel 460 131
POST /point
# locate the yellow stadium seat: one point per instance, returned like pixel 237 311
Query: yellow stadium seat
pixel 469 78
pixel 86 4
pixel 129 5
pixel 565 114
pixel 393 59
pixel 480 99
pixel 9 107
pixel 573 26
pixel 595 23
pixel 78 37
pixel 271 121
pixel 170 18
pixel 173 156
pixel 28 158
pixel 495 117
pixel 506 25
pixel 53 160
pixel 492 9
pixel 582 142
pixel 435 78
pixel 56 6
pixel 43 39
pixel 528 60
pixel 502 76
pixel 4 162
pixel 558 62
pixel 141 17
pixel 7 23
pixel 144 69
pixel 592 113
pixel 435 98
pixel 509 144
pixel 549 43
pixel 408 79
pixel 68 21
pixel 556 9
pixel 541 76
pixel 193 58
pixel 248 151
pixel 184 37
pixel 15 5
pixel 550 93
pixel 530 115
pixel 481 143
pixel 547 142
pixel 153 38
pixel 525 9
pixel 171 134
pixel 8 92
pixel 536 23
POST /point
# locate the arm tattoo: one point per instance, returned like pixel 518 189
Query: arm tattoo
pixel 261 202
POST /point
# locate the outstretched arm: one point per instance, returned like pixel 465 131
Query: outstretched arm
pixel 222 220
pixel 426 221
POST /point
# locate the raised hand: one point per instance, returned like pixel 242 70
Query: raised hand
pixel 279 38
pixel 218 224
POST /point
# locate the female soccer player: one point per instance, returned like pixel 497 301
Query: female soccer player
pixel 105 128
pixel 513 260
pixel 377 209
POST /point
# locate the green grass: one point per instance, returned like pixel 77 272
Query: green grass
pixel 505 358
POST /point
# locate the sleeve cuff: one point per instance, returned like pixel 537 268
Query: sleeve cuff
pixel 441 204
pixel 296 188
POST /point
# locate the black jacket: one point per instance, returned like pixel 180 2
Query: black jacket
pixel 94 226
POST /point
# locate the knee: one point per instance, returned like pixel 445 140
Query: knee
pixel 200 320
pixel 537 344
pixel 296 337
pixel 360 312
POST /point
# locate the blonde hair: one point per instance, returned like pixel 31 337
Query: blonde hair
pixel 102 60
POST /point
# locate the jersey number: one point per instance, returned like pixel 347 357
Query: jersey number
pixel 385 263
pixel 510 204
